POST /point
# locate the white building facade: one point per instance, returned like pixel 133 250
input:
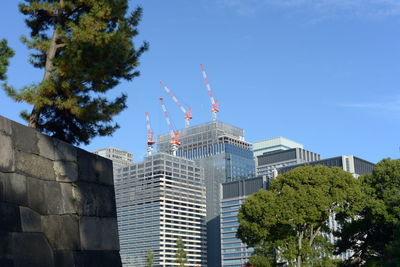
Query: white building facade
pixel 118 156
pixel 158 201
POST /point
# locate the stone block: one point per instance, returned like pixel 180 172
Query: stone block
pixel 32 250
pixel 34 165
pixel 64 151
pixel 69 198
pixel 24 138
pixel 5 126
pixel 6 263
pixel 13 188
pixel 63 258
pixel 97 259
pixel 66 171
pixel 44 197
pixel 98 233
pixel 30 220
pixel 5 245
pixel 46 146
pixel 94 168
pixel 62 231
pixel 9 217
pixel 6 153
pixel 36 195
pixel 95 200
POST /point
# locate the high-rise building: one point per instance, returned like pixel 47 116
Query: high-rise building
pixel 274 144
pixel 354 165
pixel 233 252
pixel 222 151
pixel 119 157
pixel 158 201
pixel 268 162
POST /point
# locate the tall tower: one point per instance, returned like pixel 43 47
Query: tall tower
pixel 158 201
pixel 221 150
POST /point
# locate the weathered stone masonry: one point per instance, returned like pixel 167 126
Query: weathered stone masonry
pixel 57 203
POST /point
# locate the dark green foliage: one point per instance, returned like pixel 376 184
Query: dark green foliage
pixel 85 48
pixel 180 256
pixel 149 258
pixel 5 54
pixel 286 222
pixel 375 235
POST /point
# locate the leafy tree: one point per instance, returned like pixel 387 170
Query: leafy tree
pixel 287 221
pixel 149 258
pixel 180 253
pixel 5 54
pixel 374 235
pixel 85 48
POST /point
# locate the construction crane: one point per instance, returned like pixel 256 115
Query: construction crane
pixel 150 140
pixel 188 113
pixel 214 103
pixel 174 134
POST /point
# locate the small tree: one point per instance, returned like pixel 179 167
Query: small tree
pixel 287 222
pixel 149 258
pixel 180 254
pixel 85 48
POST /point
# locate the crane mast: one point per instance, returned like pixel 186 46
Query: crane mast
pixel 214 103
pixel 150 139
pixel 174 134
pixel 188 113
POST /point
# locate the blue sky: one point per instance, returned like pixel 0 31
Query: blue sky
pixel 323 73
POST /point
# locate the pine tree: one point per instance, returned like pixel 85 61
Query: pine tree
pixel 180 253
pixel 85 48
pixel 5 54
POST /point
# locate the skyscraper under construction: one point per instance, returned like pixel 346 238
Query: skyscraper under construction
pixel 221 150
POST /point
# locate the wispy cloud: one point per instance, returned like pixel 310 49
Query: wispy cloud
pixel 390 106
pixel 325 8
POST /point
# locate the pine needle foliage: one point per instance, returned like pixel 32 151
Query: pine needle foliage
pixel 85 48
pixel 5 53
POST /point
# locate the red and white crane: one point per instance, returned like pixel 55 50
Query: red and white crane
pixel 150 139
pixel 214 103
pixel 174 134
pixel 188 113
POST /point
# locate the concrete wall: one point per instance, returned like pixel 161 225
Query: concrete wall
pixel 57 203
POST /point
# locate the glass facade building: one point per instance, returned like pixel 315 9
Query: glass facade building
pixel 158 201
pixel 269 162
pixel 221 150
pixel 233 252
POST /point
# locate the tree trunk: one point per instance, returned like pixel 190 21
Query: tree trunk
pixel 299 249
pixel 51 52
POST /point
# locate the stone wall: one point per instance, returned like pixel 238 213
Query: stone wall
pixel 57 203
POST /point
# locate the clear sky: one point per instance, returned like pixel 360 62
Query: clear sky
pixel 323 73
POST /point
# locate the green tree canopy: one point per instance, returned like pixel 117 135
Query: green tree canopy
pixel 286 222
pixel 374 235
pixel 85 48
pixel 149 258
pixel 5 53
pixel 180 255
